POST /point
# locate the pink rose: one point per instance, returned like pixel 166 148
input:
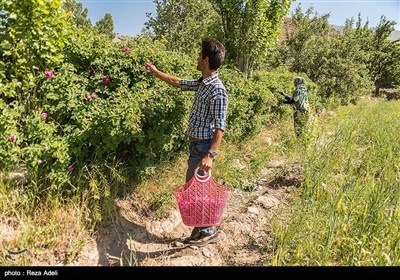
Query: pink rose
pixel 88 97
pixel 44 115
pixel 49 74
pixel 94 95
pixel 127 50
pixel 133 127
pixel 106 80
pixel 12 138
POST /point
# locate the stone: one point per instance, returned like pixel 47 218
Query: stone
pixel 267 201
pixel 253 210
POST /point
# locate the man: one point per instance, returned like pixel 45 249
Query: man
pixel 207 119
pixel 299 101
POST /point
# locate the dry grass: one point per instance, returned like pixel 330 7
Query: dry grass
pixel 52 234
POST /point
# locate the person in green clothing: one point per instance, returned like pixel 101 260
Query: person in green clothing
pixel 299 101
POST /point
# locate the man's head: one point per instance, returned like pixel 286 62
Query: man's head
pixel 299 81
pixel 212 55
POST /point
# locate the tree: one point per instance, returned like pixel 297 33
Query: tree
pixel 389 69
pixel 106 26
pixel 246 27
pixel 384 62
pixel 308 27
pixel 249 28
pixel 183 23
pixel 79 15
pixel 379 54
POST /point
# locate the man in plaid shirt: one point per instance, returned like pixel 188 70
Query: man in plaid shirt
pixel 207 119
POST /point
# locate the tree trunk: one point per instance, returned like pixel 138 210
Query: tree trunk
pixel 245 65
pixel 377 90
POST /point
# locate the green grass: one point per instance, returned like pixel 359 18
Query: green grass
pixel 347 209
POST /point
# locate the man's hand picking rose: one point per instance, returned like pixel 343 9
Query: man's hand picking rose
pixel 150 67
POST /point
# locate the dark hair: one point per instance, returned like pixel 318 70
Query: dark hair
pixel 215 52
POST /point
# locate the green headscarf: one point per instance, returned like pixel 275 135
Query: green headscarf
pixel 299 81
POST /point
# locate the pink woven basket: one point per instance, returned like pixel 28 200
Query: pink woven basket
pixel 201 201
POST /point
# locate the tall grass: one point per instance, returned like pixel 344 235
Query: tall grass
pixel 347 212
pixel 49 231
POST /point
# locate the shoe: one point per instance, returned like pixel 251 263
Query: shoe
pixel 194 235
pixel 203 239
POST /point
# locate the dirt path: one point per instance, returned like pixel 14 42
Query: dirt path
pixel 137 240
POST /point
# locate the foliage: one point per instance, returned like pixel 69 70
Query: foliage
pixel 79 19
pixel 132 115
pixel 246 28
pixel 249 28
pixel 32 35
pixel 249 104
pixel 106 26
pixel 78 14
pixel 384 60
pixel 183 23
pixel 256 102
pixel 375 50
pixel 282 80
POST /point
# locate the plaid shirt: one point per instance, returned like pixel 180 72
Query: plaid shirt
pixel 209 107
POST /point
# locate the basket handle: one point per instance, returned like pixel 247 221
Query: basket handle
pixel 200 178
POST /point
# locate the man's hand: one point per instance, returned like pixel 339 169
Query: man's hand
pixel 150 67
pixel 206 163
pixel 172 80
